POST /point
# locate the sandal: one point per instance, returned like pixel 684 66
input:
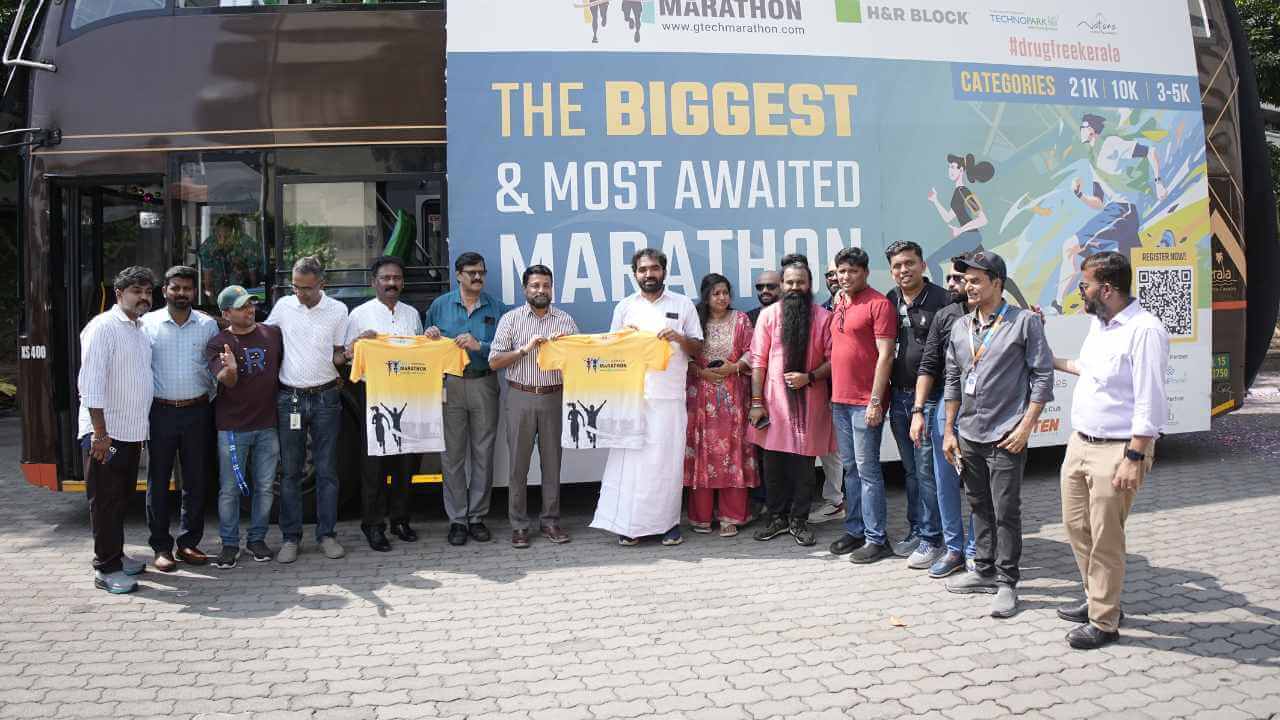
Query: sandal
pixel 627 541
pixel 728 529
pixel 701 528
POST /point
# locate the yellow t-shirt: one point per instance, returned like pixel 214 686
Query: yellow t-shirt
pixel 403 379
pixel 604 385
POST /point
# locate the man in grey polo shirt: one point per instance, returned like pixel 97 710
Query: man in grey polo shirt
pixel 999 375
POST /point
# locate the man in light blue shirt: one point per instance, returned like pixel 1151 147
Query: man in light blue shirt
pixel 468 316
pixel 181 418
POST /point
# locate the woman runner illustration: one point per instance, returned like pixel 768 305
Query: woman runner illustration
pixel 967 215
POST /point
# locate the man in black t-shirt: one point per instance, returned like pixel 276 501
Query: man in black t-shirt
pixel 245 358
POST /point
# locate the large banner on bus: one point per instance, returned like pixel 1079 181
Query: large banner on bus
pixel 731 132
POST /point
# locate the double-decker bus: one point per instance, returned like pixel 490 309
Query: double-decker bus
pixel 237 135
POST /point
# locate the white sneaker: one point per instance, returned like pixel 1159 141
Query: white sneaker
pixel 288 552
pixel 826 512
pixel 331 548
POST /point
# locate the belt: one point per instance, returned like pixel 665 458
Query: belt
pixel 201 400
pixel 310 390
pixel 535 389
pixel 1098 440
pixel 469 375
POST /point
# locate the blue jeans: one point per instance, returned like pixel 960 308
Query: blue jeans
pixel 257 451
pixel 922 489
pixel 321 412
pixel 949 493
pixel 863 480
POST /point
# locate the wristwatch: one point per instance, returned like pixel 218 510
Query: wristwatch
pixel 875 402
pixel 1134 455
pixel 917 409
pixel 813 378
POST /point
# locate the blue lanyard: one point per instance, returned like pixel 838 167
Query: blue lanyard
pixel 235 462
pixel 986 339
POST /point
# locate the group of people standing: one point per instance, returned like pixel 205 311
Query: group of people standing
pixel 747 401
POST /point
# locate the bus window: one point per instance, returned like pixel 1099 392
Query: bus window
pixel 273 3
pixel 87 12
pixel 220 223
pixel 116 226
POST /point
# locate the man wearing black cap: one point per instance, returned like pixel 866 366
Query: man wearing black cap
pixel 999 376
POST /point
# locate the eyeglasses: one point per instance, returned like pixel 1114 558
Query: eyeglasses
pixel 1085 286
pixel 831 275
pixel 303 288
pixel 955 278
pixel 761 287
pixel 474 274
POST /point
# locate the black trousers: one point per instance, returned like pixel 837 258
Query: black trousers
pixel 109 486
pixel 185 433
pixel 788 479
pixel 993 482
pixel 378 500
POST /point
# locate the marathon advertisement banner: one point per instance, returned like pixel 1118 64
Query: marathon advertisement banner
pixel 731 132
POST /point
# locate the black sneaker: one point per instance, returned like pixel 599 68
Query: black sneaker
pixel 870 553
pixel 777 526
pixel 259 551
pixel 227 557
pixel 801 531
pixel 906 546
pixel 846 544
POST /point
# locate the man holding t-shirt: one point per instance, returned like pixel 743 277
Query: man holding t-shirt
pixel 245 359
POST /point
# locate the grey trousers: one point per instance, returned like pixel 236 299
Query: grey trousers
pixel 470 426
pixel 531 417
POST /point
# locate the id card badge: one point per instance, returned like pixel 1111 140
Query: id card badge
pixel 971 383
pixel 295 421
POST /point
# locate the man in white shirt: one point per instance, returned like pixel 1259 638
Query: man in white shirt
pixel 1118 409
pixel 641 490
pixel 309 403
pixel 384 315
pixel 115 387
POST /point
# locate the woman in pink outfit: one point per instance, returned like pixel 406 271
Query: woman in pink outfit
pixel 719 463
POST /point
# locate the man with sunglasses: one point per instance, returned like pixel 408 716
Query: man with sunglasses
pixel 933 360
pixel 768 284
pixel 999 377
pixel 1118 409
pixel 469 316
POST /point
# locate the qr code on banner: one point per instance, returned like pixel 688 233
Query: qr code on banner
pixel 1167 293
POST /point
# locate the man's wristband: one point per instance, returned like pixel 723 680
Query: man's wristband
pixel 874 402
pixel 917 410
pixel 812 378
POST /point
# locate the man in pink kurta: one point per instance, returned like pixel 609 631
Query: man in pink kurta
pixel 790 360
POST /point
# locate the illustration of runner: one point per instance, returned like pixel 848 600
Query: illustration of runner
pixel 968 215
pixel 395 424
pixel 593 412
pixel 599 16
pixel 631 10
pixel 1120 182
pixel 379 428
pixel 575 420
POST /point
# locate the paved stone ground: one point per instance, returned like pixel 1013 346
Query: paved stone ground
pixel 711 629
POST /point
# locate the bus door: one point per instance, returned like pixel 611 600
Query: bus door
pixel 98 228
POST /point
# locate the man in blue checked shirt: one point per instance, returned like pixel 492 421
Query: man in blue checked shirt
pixel 181 418
pixel 469 316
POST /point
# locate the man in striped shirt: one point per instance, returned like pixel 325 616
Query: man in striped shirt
pixel 533 405
pixel 115 398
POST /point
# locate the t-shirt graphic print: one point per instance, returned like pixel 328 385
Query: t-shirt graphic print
pixel 604 385
pixel 404 377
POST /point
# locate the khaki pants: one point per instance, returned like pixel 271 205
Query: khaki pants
pixel 1094 512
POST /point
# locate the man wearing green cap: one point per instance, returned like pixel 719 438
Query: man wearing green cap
pixel 245 358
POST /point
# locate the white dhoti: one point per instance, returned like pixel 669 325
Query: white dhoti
pixel 642 489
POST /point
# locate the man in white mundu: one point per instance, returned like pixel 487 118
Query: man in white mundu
pixel 641 490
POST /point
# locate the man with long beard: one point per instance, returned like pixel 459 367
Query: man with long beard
pixel 641 489
pixel 789 416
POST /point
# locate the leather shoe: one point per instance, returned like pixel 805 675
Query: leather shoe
pixel 846 544
pixel 1078 613
pixel 457 534
pixel 164 562
pixel 404 532
pixel 555 534
pixel 520 538
pixel 479 532
pixel 192 556
pixel 377 538
pixel 1089 637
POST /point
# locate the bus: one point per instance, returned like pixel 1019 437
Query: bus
pixel 237 135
